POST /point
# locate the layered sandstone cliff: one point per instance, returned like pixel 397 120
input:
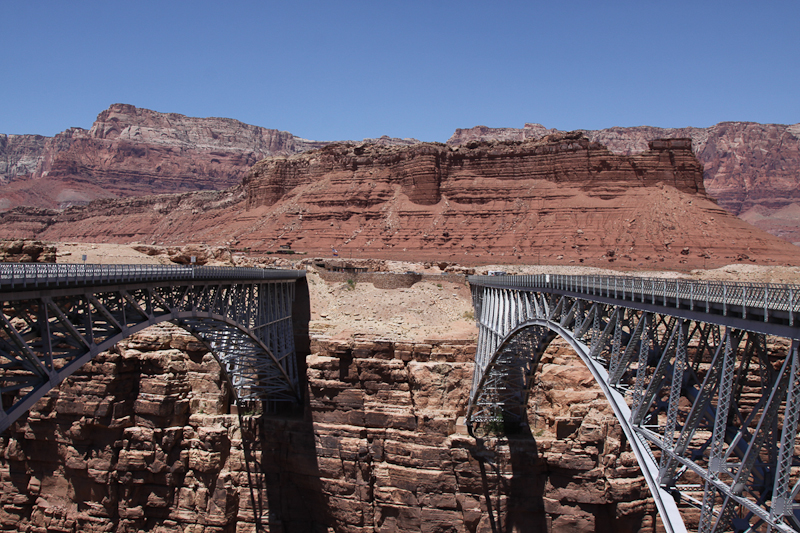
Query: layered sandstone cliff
pixel 752 170
pixel 131 151
pixel 558 200
pixel 141 439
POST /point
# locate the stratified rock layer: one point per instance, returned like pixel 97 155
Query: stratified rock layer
pixel 133 152
pixel 559 200
pixel 139 439
pixel 751 169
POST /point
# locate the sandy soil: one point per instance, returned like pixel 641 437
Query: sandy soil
pixel 427 310
pixel 106 254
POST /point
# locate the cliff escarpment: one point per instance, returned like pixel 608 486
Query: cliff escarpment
pixel 751 169
pixel 131 151
pixel 559 200
pixel 141 439
pixel 476 173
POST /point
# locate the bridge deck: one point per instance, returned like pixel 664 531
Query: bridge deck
pixel 772 309
pixel 21 276
pixel 57 317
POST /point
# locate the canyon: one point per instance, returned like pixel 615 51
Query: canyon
pixel 145 438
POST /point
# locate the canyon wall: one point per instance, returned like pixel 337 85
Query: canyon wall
pixel 141 439
pixel 751 169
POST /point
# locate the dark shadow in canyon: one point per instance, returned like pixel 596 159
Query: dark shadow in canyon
pixel 296 500
pixel 280 450
pixel 486 457
pixel 283 475
pixel 525 512
pixel 522 510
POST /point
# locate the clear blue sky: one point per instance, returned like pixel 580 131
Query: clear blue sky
pixel 335 70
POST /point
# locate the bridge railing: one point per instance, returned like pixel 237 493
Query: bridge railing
pixel 25 275
pixel 659 291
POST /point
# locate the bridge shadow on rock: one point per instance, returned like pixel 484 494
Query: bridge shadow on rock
pixel 514 500
pixel 143 438
pixel 280 450
pixel 283 475
pixel 525 507
pixel 570 467
pixel 572 457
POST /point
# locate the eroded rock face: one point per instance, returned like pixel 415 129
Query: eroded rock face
pixel 183 255
pixel 562 199
pixel 426 172
pixel 26 251
pixel 131 151
pixel 751 169
pixel 139 439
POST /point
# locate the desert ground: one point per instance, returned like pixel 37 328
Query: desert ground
pixel 427 310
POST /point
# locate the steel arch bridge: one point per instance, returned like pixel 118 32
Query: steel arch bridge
pixel 56 317
pixel 704 378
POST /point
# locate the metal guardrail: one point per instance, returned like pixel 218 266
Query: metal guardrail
pixel 28 275
pixel 693 295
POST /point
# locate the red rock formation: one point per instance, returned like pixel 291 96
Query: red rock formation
pixel 130 151
pixel 26 251
pixel 139 440
pixel 135 152
pixel 560 200
pixel 752 170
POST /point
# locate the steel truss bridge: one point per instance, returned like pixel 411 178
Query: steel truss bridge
pixel 56 317
pixel 703 377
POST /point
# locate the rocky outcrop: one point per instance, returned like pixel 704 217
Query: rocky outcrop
pixel 483 133
pixel 26 251
pixel 426 172
pixel 190 254
pixel 141 439
pixel 562 199
pixel 131 151
pixel 752 170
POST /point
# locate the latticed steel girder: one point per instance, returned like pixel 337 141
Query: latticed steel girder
pixel 703 377
pixel 58 317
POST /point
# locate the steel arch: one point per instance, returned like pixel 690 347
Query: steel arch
pixel 52 325
pixel 735 445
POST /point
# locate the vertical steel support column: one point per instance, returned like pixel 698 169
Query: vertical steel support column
pixel 781 499
pixel 676 387
pixel 715 460
pixel 641 369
